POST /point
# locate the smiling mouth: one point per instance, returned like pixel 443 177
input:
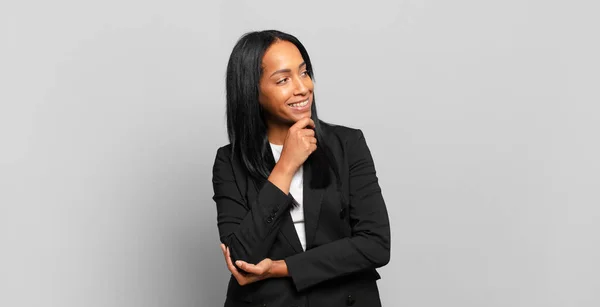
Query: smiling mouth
pixel 299 104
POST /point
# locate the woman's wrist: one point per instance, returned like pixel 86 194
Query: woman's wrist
pixel 281 176
pixel 278 269
pixel 285 169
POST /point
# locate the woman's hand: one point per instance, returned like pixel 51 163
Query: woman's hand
pixel 267 268
pixel 251 273
pixel 299 143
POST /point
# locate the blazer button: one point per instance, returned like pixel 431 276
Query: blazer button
pixel 269 219
pixel 350 301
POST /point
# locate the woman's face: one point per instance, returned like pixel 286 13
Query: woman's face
pixel 286 89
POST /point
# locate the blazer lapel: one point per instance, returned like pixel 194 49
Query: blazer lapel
pixel 311 203
pixel 288 231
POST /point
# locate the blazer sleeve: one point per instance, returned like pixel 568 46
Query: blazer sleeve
pixel 248 228
pixel 368 247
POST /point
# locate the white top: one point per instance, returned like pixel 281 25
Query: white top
pixel 296 190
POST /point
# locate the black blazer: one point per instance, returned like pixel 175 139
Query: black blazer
pixel 346 224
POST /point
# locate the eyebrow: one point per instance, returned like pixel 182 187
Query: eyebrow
pixel 286 69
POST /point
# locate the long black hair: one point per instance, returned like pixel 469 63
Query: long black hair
pixel 246 126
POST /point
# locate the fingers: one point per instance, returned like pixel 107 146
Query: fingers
pixel 307 132
pixel 303 123
pixel 257 270
pixel 309 135
pixel 224 250
pixel 230 265
pixel 249 268
pixel 242 265
pixel 241 279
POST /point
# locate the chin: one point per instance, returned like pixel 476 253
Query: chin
pixel 297 117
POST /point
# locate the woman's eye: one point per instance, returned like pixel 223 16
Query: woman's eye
pixel 305 73
pixel 282 81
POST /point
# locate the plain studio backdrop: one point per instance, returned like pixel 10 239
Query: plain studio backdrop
pixel 482 117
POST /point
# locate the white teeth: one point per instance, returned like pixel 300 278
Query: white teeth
pixel 299 104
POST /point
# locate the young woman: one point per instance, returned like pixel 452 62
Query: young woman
pixel 299 208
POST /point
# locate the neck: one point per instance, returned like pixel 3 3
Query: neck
pixel 277 132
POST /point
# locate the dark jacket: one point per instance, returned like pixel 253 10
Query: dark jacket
pixel 346 223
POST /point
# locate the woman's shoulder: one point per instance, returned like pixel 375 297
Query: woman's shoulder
pixel 224 152
pixel 225 148
pixel 340 132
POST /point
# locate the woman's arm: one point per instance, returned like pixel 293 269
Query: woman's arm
pixel 247 228
pixel 267 268
pixel 369 245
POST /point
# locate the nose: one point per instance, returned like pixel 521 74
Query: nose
pixel 301 88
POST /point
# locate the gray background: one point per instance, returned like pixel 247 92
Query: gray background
pixel 482 117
